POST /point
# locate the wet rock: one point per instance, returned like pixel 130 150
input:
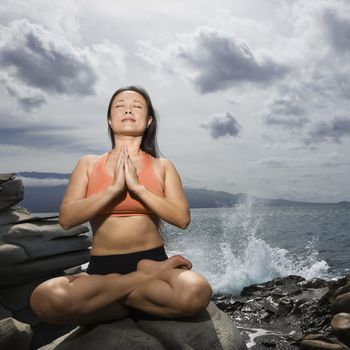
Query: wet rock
pixel 341 327
pixel 283 310
pixel 342 303
pixel 320 342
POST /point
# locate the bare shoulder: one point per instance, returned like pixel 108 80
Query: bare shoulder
pixel 87 162
pixel 78 181
pixel 163 165
pixel 168 169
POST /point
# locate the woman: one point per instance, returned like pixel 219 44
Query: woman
pixel 124 193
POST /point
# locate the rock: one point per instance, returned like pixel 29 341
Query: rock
pixel 43 245
pixel 320 342
pixel 341 327
pixel 16 298
pixel 210 329
pixel 49 229
pixel 342 303
pixel 4 313
pixel 14 215
pixel 27 271
pixel 11 193
pixel 342 290
pixel 7 177
pixel 45 333
pixel 14 334
pixel 30 250
pixel 11 254
pixel 278 313
pixel 118 335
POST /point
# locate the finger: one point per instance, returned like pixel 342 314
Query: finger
pixel 120 161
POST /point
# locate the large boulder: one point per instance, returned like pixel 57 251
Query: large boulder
pixel 210 329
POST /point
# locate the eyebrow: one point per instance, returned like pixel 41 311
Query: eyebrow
pixel 123 101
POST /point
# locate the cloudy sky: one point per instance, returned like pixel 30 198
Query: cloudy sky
pixel 252 96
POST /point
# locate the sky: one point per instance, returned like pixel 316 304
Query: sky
pixel 251 96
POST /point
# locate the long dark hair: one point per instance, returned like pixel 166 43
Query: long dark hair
pixel 149 139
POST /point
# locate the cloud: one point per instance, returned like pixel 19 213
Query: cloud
pixel 42 136
pixel 286 113
pixel 221 125
pixel 213 59
pixel 338 30
pixel 34 135
pixel 328 160
pixel 222 61
pixel 333 131
pixel 36 58
pixel 28 98
pixel 271 162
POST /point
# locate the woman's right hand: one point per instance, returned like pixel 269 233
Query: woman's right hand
pixel 118 186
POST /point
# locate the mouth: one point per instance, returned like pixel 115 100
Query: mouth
pixel 128 119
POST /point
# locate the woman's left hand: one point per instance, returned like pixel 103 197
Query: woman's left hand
pixel 131 177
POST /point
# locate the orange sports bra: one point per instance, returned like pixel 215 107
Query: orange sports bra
pixel 129 204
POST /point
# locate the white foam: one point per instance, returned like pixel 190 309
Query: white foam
pixel 255 261
pixel 253 333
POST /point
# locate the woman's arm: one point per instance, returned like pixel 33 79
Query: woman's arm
pixel 173 208
pixel 75 209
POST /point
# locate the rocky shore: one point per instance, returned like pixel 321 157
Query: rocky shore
pixel 292 313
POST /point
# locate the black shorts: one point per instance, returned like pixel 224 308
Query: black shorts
pixel 123 263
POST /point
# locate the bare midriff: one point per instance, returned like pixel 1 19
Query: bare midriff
pixel 125 234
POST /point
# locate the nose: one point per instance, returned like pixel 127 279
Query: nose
pixel 127 109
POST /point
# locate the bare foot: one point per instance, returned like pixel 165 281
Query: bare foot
pixel 151 266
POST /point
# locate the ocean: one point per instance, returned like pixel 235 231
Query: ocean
pixel 247 244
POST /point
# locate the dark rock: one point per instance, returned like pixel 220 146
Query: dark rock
pixel 341 327
pixel 13 215
pixel 342 303
pixel 285 309
pixel 11 193
pixel 320 342
pixel 14 334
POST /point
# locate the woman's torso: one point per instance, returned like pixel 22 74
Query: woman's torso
pixel 126 234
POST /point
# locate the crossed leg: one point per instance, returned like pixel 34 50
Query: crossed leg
pixel 175 293
pixel 159 288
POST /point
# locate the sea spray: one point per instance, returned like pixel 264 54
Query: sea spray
pixel 228 246
pixel 249 259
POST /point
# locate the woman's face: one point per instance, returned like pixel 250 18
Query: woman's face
pixel 129 114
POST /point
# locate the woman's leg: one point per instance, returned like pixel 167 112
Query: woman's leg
pixel 80 298
pixel 175 293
